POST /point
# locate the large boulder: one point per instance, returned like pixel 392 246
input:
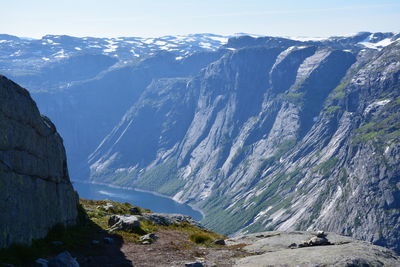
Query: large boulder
pixel 35 191
pixel 123 223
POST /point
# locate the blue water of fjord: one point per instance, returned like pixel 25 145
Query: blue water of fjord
pixel 142 199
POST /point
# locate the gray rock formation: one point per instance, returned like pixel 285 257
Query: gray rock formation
pixel 271 249
pixel 123 223
pixel 35 190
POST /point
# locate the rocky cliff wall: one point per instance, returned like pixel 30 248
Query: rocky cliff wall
pixel 35 190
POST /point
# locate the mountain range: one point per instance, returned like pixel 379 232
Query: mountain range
pixel 261 133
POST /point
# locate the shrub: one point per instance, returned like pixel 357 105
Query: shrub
pixel 200 238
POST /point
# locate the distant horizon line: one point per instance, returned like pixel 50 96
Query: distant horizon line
pixel 202 33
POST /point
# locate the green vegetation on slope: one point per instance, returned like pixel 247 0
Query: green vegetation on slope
pixel 234 217
pixel 161 178
pixel 380 129
pixel 93 225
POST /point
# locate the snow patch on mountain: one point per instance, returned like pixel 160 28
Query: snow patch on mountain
pixel 374 42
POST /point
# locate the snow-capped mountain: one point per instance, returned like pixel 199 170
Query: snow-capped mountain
pixel 55 61
pixel 52 47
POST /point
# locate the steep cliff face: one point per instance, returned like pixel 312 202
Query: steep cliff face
pixel 35 190
pixel 273 137
pixel 87 111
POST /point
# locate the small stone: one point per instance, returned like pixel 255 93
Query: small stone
pixel 146 242
pixel 41 262
pixel 108 207
pixel 57 243
pixel 108 240
pixel 303 244
pixel 95 242
pixel 220 242
pixel 149 237
pixel 318 241
pixel 63 260
pixel 194 264
pixel 260 236
pixel 293 245
pixel 135 211
pixel 321 234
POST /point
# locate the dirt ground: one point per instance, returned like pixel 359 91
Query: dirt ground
pixel 172 248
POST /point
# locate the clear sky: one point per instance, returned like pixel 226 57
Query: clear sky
pixel 112 18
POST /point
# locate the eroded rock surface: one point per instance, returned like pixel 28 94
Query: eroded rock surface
pixel 35 190
pixel 272 249
pixel 123 222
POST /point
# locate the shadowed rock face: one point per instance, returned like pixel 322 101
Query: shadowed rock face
pixel 35 190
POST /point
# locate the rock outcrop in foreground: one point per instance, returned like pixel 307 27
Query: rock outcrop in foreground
pixel 157 239
pixel 278 249
pixel 35 191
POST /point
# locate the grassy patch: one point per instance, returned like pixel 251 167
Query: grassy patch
pixel 101 219
pixel 327 166
pixel 196 234
pixel 294 98
pixel 338 92
pixel 379 131
pixel 200 238
pixel 332 109
pixel 282 148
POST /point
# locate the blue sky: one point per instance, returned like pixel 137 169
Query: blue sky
pixel 107 18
